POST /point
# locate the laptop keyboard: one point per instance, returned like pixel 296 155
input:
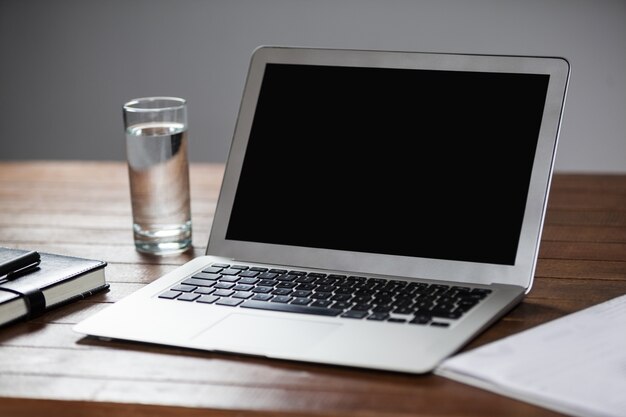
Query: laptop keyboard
pixel 351 297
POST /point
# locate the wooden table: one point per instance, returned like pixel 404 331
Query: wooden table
pixel 83 209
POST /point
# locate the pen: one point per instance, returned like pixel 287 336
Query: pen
pixel 14 267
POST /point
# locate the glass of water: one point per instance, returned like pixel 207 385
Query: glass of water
pixel 156 149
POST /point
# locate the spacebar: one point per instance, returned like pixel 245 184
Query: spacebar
pixel 262 305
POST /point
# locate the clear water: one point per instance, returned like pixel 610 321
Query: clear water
pixel 159 184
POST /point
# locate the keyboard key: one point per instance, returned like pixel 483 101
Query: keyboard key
pixel 335 276
pixel 396 320
pixel 286 285
pixel 439 324
pixel 240 267
pixel 357 278
pixel 242 287
pixel 353 314
pixel 258 269
pixel 249 274
pixel 321 295
pixel 242 294
pixel 378 316
pixel 221 266
pixel 439 286
pixel 305 279
pixel 224 293
pixel 325 281
pixel 204 290
pixel 441 306
pixel 231 302
pixel 464 308
pixel 207 275
pixel 281 291
pixel 268 275
pixel 421 319
pixel 445 314
pixel 224 285
pixel 306 287
pixel 286 277
pixel 207 299
pixel 230 278
pixel 360 299
pixel 341 297
pixel 321 303
pixel 198 282
pixel 248 281
pixel 184 288
pixel 214 269
pixel 292 308
pixel 344 290
pixel 262 290
pixel 403 310
pixel 170 295
pixel 342 304
pixel 425 305
pixel 281 299
pixel 262 297
pixel 188 297
pixel 301 293
pixel 301 301
pixel 382 309
pixel 467 303
pixel 230 271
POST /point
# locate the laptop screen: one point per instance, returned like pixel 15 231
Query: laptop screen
pixel 419 163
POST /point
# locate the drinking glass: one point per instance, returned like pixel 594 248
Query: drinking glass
pixel 156 150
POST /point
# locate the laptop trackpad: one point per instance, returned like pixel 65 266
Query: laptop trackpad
pixel 253 334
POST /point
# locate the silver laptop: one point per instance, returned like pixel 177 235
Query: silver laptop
pixel 378 210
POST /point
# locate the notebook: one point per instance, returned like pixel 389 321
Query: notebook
pixel 378 210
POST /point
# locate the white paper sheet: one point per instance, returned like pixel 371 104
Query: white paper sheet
pixel 575 364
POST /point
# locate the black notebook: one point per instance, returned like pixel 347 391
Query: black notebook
pixel 57 280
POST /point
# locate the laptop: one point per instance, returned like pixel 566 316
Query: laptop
pixel 378 210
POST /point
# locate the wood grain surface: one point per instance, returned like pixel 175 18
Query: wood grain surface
pixel 83 209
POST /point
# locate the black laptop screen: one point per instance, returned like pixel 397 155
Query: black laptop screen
pixel 419 163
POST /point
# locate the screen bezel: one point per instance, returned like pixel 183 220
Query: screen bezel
pixel 521 273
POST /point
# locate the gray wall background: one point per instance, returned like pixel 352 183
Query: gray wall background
pixel 67 66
